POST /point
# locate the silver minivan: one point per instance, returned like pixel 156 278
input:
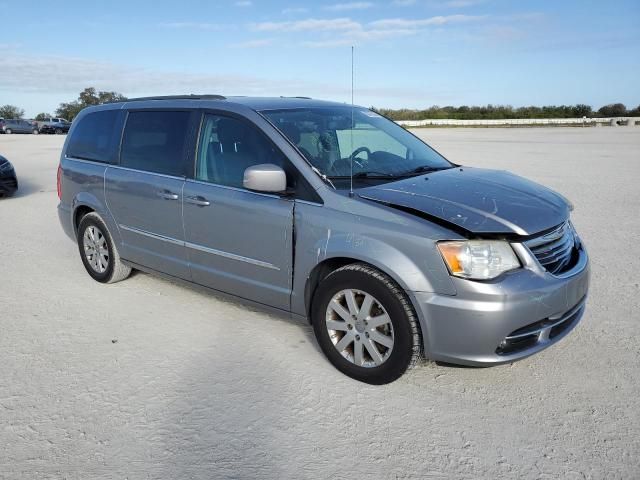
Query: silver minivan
pixel 329 213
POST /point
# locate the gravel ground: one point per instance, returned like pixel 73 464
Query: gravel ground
pixel 150 379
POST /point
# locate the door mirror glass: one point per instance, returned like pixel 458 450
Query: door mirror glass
pixel 265 177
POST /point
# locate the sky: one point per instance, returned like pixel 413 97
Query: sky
pixel 408 53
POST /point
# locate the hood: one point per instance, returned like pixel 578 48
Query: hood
pixel 476 200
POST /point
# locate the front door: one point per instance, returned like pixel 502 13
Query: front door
pixel 237 241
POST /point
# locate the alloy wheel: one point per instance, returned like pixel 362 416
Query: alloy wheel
pixel 359 328
pixel 96 249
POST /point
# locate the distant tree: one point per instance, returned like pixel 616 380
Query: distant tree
pixel 11 111
pixel 69 110
pixel 613 110
pixel 581 110
pixel 635 112
pixel 88 97
pixel 41 116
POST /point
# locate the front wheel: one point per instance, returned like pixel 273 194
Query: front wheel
pixel 8 131
pixel 35 131
pixel 365 324
pixel 98 252
pixel 59 131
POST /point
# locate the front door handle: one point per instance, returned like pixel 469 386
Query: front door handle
pixel 200 201
pixel 167 195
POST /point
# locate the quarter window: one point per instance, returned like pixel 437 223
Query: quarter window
pixel 154 141
pixel 96 137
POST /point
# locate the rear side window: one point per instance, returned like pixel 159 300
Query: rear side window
pixel 154 141
pixel 96 137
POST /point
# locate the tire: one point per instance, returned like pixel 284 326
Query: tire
pixel 108 267
pixel 341 334
pixel 58 131
pixel 35 131
pixel 8 131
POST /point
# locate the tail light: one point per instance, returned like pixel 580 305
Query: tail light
pixel 59 182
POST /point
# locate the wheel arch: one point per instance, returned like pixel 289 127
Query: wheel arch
pixel 79 212
pixel 328 265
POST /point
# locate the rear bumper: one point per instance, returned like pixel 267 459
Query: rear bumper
pixel 498 322
pixel 65 215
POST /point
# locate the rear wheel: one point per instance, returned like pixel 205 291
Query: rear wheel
pixel 8 131
pixel 98 252
pixel 365 324
pixel 58 131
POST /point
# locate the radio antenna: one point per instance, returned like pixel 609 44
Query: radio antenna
pixel 351 130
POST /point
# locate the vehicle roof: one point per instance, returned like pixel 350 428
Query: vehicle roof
pixel 254 103
pixel 275 103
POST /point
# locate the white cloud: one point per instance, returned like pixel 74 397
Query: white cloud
pixel 71 75
pixel 341 7
pixel 294 10
pixel 310 24
pixel 68 76
pixel 461 3
pixel 404 23
pixel 346 31
pixel 357 37
pixel 243 3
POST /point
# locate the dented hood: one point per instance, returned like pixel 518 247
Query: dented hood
pixel 476 200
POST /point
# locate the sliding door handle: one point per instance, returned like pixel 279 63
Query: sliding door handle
pixel 167 195
pixel 198 200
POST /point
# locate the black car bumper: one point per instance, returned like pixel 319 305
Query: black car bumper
pixel 8 183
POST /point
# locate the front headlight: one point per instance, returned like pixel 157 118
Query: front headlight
pixel 478 259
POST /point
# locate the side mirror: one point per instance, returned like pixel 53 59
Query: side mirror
pixel 265 177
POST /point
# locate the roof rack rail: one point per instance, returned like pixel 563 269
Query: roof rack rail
pixel 303 98
pixel 179 97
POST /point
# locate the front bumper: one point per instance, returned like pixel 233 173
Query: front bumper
pixel 519 314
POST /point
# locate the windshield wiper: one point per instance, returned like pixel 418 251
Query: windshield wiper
pixel 385 175
pixel 420 170
pixel 374 175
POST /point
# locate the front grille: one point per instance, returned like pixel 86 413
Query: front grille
pixel 542 331
pixel 556 250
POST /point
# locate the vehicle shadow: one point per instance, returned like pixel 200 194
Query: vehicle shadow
pixel 270 314
pixel 26 187
pixel 229 413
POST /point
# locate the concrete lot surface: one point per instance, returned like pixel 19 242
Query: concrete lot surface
pixel 150 379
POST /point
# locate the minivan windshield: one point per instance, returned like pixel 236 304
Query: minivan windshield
pixel 332 137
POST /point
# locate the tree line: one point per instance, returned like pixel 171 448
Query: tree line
pixel 497 112
pixel 90 96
